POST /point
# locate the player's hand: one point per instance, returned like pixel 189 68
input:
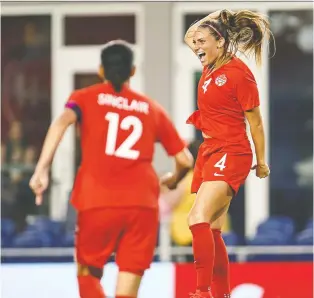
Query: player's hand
pixel 39 183
pixel 169 180
pixel 262 170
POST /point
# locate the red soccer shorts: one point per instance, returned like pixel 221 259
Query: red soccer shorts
pixel 222 161
pixel 129 232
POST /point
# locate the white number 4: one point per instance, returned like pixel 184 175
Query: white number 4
pixel 221 163
pixel 205 85
pixel 125 149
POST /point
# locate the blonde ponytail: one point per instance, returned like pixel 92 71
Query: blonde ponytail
pixel 243 31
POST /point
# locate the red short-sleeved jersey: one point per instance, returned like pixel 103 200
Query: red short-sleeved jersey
pixel 118 132
pixel 223 96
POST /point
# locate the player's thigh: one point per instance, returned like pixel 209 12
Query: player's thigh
pixel 223 174
pixel 136 247
pixel 211 201
pixel 97 234
pixel 219 222
pixel 197 171
pixel 229 167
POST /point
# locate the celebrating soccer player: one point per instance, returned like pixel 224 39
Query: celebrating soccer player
pixel 227 95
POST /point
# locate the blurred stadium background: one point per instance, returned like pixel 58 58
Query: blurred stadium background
pixel 48 49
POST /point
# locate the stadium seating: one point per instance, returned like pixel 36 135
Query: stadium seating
pixel 33 238
pixel 230 239
pixel 44 232
pixel 7 232
pixel 68 240
pixel 306 236
pixel 276 230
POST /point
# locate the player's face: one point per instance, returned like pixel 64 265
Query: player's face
pixel 205 46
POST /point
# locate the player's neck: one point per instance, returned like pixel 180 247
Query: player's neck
pixel 126 83
pixel 218 63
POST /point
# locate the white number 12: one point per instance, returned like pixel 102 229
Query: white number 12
pixel 125 149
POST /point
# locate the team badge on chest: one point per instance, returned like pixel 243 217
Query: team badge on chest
pixel 221 80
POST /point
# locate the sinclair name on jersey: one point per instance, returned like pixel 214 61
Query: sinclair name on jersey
pixel 123 103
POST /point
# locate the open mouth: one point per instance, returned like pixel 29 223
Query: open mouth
pixel 201 56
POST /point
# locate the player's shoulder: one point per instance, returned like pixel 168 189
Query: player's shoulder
pixel 158 108
pixel 153 104
pixel 237 69
pixel 138 95
pixel 90 90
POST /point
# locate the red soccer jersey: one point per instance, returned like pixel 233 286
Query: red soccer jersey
pixel 118 133
pixel 223 96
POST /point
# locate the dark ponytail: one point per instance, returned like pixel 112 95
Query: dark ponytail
pixel 117 61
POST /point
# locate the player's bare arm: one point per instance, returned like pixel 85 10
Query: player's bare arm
pixel 188 38
pixel 184 162
pixel 40 179
pixel 257 131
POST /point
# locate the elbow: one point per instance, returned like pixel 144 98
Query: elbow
pixel 257 126
pixel 186 39
pixel 257 131
pixel 187 34
pixel 188 164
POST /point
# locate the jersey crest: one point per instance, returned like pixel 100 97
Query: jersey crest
pixel 221 80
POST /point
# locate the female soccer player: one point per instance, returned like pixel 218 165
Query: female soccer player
pixel 116 188
pixel 227 95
